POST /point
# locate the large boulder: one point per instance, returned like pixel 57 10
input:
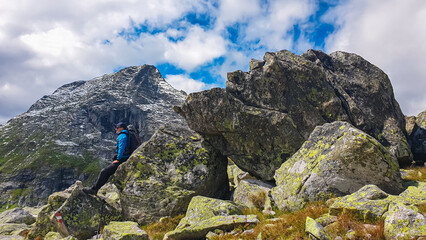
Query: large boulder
pixel 336 160
pixel 416 127
pixel 163 175
pixel 291 95
pixel 74 213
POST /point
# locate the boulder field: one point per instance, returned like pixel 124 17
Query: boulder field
pixel 299 129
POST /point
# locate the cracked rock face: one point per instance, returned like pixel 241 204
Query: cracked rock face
pixel 336 160
pixel 264 116
pixel 69 135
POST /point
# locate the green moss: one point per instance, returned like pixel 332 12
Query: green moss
pixel 8 207
pixel 20 192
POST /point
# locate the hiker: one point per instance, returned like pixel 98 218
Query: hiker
pixel 123 152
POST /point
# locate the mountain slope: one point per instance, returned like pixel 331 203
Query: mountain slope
pixel 69 135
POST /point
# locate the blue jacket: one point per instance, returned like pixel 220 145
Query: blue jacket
pixel 121 144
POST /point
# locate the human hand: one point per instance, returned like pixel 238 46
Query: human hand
pixel 116 161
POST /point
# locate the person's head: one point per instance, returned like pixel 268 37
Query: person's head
pixel 119 127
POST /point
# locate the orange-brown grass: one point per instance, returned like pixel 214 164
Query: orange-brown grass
pixel 258 199
pixel 348 221
pixel 156 231
pixel 422 208
pixel 416 174
pixel 289 225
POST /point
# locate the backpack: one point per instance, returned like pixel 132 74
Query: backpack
pixel 133 142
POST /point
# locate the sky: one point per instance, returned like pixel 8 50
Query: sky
pixel 45 44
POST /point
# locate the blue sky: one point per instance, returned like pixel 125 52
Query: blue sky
pixel 45 44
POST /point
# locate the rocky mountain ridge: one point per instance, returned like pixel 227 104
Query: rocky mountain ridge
pixel 68 135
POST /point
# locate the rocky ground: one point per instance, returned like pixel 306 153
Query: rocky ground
pixel 310 146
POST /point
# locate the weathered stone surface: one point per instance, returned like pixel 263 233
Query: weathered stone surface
pixel 6 237
pixel 124 231
pixel 404 222
pixel 326 219
pixel 53 236
pixel 369 203
pixel 82 214
pixel 69 135
pixel 17 215
pixel 111 194
pixel 291 95
pixel 14 229
pixel 367 96
pixel 235 175
pixel 316 230
pixel 44 223
pixel 167 171
pixel 200 229
pixel 414 194
pixel 202 208
pixel 336 160
pixel 252 194
pixel 416 127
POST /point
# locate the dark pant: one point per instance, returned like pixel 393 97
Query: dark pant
pixel 105 174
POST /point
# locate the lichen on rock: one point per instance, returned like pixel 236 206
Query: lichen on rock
pixel 160 179
pixel 124 231
pixel 336 160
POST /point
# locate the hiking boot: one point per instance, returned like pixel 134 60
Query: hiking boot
pixel 91 191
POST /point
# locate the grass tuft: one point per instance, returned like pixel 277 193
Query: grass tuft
pixel 156 231
pixel 416 174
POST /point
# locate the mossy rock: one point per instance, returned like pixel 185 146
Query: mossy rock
pixel 369 204
pixel 160 179
pixel 414 194
pixel 265 115
pixel 6 237
pixel 336 160
pixel 13 228
pixel 82 214
pixel 315 229
pixel 44 222
pixel 202 208
pixel 53 236
pixel 404 222
pixel 200 229
pixel 124 231
pixel 253 194
pixel 17 215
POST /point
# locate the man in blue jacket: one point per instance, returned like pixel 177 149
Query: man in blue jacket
pixel 121 156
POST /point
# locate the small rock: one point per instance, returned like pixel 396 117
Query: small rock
pixel 315 229
pixel 350 234
pixel 17 215
pixel 124 231
pixel 211 235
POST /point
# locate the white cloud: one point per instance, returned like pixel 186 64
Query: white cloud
pixel 199 47
pixel 185 83
pixel 231 11
pixel 389 34
pixel 45 44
